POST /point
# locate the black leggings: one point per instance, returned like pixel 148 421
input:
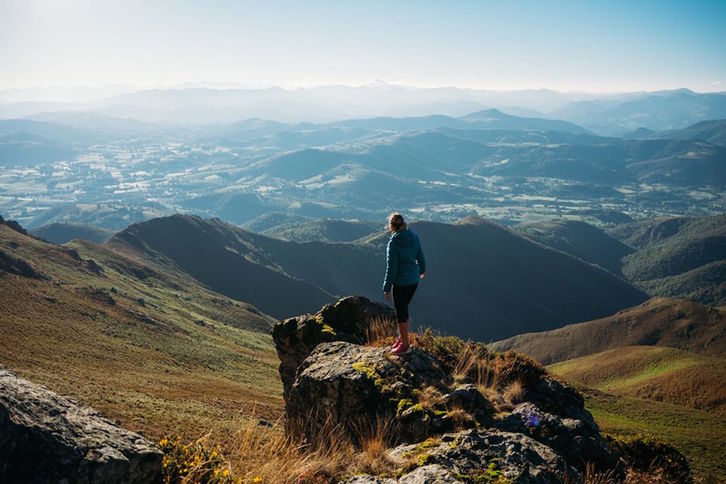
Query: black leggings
pixel 402 296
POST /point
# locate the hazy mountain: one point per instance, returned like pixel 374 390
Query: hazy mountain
pixel 22 149
pixel 677 323
pixel 580 240
pixel 486 119
pixel 60 233
pixel 712 131
pixel 484 281
pixel 656 111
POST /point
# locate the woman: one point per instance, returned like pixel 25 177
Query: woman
pixel 405 264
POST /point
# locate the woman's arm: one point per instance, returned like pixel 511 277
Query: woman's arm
pixel 421 260
pixel 391 266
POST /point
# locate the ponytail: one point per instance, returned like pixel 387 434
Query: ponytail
pixel 396 221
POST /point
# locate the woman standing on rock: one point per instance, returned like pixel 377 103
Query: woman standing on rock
pixel 405 264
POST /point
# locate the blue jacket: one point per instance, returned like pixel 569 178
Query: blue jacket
pixel 404 260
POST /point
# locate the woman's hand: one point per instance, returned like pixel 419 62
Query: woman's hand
pixel 423 274
pixel 387 295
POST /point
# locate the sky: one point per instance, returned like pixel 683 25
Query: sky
pixel 603 46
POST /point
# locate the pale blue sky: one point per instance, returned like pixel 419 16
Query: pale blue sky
pixel 564 45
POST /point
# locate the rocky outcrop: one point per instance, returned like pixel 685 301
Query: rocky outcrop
pixel 482 456
pixel 14 265
pixel 13 225
pixel 354 386
pixel 45 437
pixel 456 411
pixel 347 320
pixel 576 439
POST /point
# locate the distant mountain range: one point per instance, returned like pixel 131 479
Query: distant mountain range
pixel 605 114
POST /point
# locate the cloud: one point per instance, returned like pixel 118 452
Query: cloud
pixel 716 83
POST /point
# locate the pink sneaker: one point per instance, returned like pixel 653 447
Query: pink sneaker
pixel 401 350
pixel 396 343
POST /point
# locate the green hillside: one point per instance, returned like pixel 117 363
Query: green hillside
pixel 145 344
pixel 652 372
pixel 698 434
pixel 324 230
pixel 680 257
pixel 673 395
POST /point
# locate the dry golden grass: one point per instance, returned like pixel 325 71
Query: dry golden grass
pixel 381 331
pixel 514 393
pixel 267 454
pixel 429 397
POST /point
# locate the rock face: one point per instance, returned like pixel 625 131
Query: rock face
pixel 347 320
pixel 45 437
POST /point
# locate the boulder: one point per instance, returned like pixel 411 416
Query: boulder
pixel 481 456
pixel 577 440
pixel 45 437
pixel 355 386
pixel 349 320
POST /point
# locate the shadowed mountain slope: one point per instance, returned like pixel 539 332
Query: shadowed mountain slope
pixel 677 323
pixel 145 344
pixel 214 253
pixel 60 233
pixel 580 240
pixel 483 280
pixel 324 230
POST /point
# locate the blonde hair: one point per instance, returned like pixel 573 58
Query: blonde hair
pixel 397 222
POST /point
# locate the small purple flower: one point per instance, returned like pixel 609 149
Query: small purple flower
pixel 532 420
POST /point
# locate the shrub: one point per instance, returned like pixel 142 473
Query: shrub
pixel 646 455
pixel 193 463
pixel 447 349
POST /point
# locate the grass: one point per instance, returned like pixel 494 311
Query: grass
pixel 699 435
pixel 675 396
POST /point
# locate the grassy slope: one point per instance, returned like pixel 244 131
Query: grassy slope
pixel 324 230
pixel 677 323
pixel 676 396
pixel 147 346
pixel 656 373
pixel 698 434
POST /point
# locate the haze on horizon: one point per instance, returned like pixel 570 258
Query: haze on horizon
pixel 618 46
